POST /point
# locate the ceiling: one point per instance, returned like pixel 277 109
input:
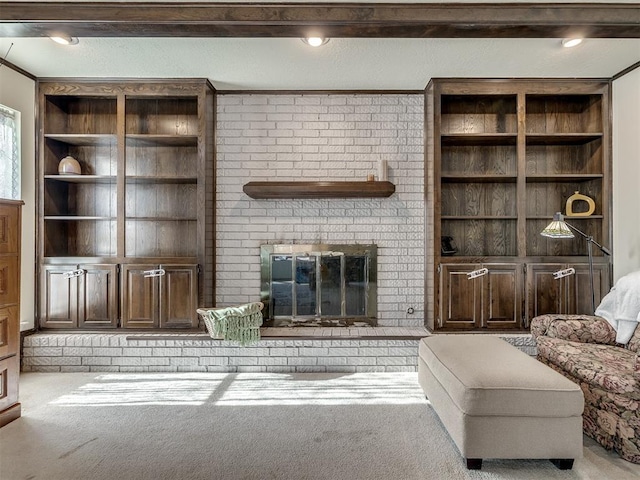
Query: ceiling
pixel 272 63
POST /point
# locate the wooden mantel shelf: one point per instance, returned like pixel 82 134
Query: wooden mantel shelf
pixel 319 189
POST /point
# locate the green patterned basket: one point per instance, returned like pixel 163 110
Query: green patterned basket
pixel 239 324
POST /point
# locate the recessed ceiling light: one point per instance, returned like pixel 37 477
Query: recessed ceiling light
pixel 571 42
pixel 315 41
pixel 65 40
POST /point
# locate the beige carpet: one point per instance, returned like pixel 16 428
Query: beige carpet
pixel 369 426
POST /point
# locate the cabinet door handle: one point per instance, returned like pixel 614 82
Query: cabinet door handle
pixel 158 272
pixel 477 273
pixel 564 273
pixel 73 273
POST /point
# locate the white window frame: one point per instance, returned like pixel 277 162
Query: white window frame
pixel 10 155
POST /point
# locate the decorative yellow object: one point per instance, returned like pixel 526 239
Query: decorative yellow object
pixel 579 197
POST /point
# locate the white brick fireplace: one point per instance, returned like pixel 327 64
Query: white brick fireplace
pixel 323 137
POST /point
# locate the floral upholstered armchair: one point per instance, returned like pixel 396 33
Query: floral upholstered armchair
pixel 583 348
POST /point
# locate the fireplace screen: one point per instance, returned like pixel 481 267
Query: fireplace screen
pixel 319 284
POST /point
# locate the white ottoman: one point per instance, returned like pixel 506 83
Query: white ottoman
pixel 498 402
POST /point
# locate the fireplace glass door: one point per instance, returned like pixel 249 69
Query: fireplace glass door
pixel 319 284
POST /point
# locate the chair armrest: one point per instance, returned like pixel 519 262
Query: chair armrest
pixel 576 328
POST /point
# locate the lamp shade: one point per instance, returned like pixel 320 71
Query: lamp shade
pixel 557 228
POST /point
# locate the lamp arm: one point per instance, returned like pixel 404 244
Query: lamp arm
pixel 589 238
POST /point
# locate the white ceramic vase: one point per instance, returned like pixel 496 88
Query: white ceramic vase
pixel 69 166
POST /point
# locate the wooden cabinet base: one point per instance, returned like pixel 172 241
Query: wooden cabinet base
pixel 10 414
pixel 10 237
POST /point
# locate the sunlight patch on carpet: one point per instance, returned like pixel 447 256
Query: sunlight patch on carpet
pixel 248 389
pixel 144 389
pixel 356 389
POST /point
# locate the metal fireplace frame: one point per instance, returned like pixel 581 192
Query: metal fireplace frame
pixel 368 251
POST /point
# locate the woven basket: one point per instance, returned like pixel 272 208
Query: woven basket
pixel 240 324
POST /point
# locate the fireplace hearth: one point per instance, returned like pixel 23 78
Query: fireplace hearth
pixel 319 284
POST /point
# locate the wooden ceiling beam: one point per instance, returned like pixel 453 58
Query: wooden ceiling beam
pixel 410 20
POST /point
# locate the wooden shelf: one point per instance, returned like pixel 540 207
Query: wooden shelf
pixel 564 177
pixel 82 178
pixel 549 218
pixel 166 140
pixel 159 180
pixel 264 190
pixel 469 178
pixel 561 138
pixel 76 218
pixel 478 217
pixel 456 139
pixel 160 219
pixel 83 139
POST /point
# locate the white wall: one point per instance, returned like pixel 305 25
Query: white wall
pixel 18 92
pixel 322 137
pixel 626 174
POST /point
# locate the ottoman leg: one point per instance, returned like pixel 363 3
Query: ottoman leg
pixel 474 463
pixel 563 463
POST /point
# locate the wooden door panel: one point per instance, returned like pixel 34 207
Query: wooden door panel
pixel 9 375
pixel 179 296
pixel 58 297
pixel 9 228
pixel 579 288
pixel 139 297
pixel 9 328
pixel 9 280
pixel 97 296
pixel 502 299
pixel 545 294
pixel 460 297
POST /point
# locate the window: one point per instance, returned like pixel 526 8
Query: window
pixel 9 153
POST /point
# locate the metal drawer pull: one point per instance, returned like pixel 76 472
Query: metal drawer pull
pixel 73 273
pixel 154 273
pixel 564 273
pixel 477 273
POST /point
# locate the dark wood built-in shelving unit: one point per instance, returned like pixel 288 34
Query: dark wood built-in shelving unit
pixel 275 189
pixel 506 155
pixel 143 202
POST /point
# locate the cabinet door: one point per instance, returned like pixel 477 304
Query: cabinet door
pixel 545 294
pixel 9 375
pixel 97 296
pixel 9 280
pixel 9 327
pixel 58 295
pixel 501 296
pixel 139 297
pixel 9 228
pixel 460 297
pixel 179 296
pixel 566 295
pixel 579 287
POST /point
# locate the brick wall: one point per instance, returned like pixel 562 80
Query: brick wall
pixel 104 352
pixel 149 352
pixel 315 137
